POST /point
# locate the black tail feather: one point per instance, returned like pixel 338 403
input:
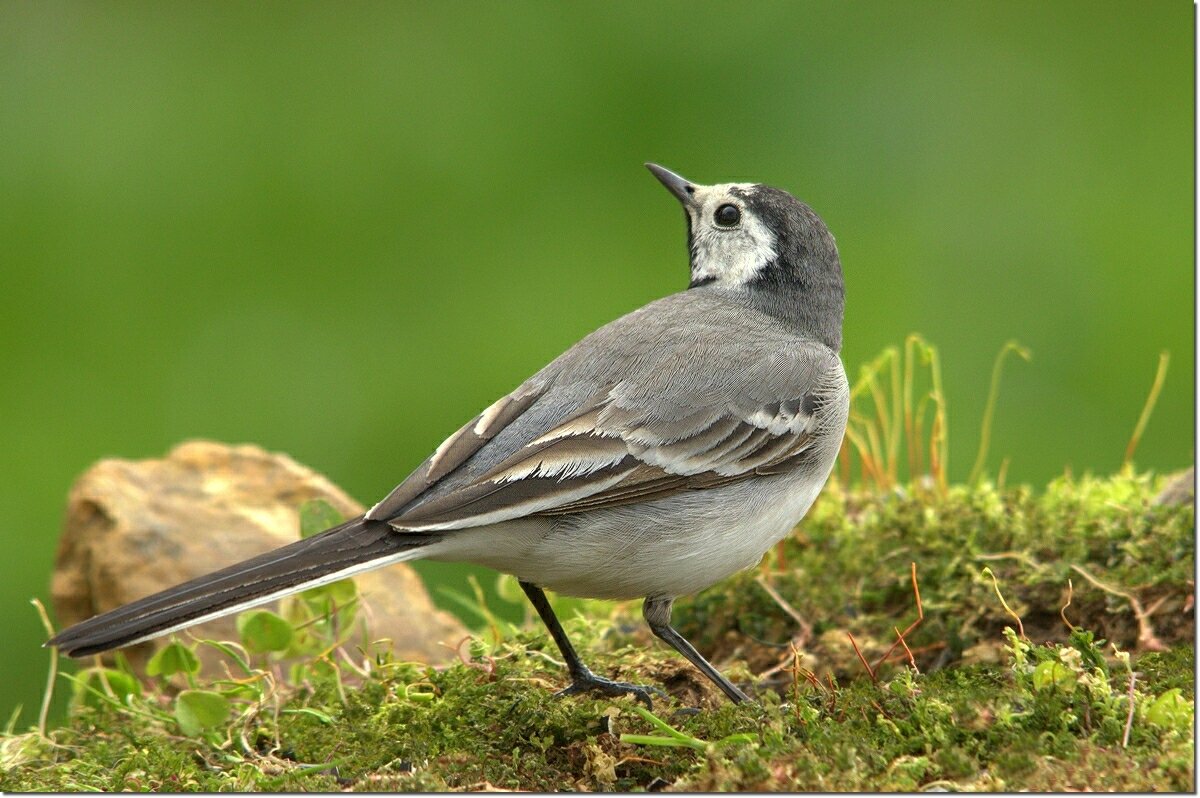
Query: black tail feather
pixel 352 545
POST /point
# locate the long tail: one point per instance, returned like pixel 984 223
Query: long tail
pixel 353 547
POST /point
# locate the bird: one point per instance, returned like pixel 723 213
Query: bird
pixel 662 453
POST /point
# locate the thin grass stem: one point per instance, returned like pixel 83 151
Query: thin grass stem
pixel 52 676
pixel 909 415
pixel 897 417
pixel 989 410
pixel 996 585
pixel 1160 376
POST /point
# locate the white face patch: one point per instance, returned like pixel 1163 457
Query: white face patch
pixel 734 255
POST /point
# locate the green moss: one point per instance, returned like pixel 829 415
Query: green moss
pixel 987 711
pixel 847 569
pixel 1171 669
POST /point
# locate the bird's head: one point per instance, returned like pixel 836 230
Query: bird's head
pixel 765 243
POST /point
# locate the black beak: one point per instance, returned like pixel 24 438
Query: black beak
pixel 677 185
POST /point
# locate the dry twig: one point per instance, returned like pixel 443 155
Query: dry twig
pixel 861 658
pixel 489 668
pixel 1129 718
pixel 900 641
pixel 907 650
pixel 806 629
pixel 1008 609
pixel 1147 639
pixel 901 635
pixel 1063 612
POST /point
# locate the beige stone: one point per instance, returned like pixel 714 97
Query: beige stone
pixel 1180 488
pixel 135 527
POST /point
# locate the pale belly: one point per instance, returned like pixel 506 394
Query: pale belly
pixel 674 547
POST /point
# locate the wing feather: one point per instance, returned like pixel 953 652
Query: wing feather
pixel 588 462
pixel 456 450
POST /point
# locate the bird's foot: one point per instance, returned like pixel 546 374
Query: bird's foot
pixel 588 682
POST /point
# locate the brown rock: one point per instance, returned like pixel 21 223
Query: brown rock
pixel 136 527
pixel 1181 489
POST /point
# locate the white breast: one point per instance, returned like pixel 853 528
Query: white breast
pixel 674 547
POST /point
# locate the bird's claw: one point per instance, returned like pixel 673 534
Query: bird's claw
pixel 588 682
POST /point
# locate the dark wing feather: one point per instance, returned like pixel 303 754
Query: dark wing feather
pixel 456 450
pixel 609 455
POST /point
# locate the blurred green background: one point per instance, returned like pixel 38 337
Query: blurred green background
pixel 339 230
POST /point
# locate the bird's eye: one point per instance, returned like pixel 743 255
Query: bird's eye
pixel 727 215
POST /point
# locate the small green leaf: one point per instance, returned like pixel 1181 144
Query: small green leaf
pixel 317 515
pixel 322 668
pixel 1171 711
pixel 94 684
pixel 420 692
pixel 120 683
pixel 745 738
pixel 665 742
pixel 1053 674
pixel 674 738
pixel 228 650
pixel 478 648
pixel 321 716
pixel 252 691
pixel 263 630
pixel 173 658
pixel 342 593
pixel 341 596
pixel 509 589
pixel 197 710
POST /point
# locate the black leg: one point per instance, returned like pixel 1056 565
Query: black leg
pixel 657 612
pixel 582 679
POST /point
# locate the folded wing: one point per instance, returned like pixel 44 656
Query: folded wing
pixel 612 454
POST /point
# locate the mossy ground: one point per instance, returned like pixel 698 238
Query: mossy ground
pixel 984 709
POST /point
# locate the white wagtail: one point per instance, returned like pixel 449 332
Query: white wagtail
pixel 662 453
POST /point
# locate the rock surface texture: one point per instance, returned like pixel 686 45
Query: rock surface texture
pixel 137 527
pixel 1180 490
